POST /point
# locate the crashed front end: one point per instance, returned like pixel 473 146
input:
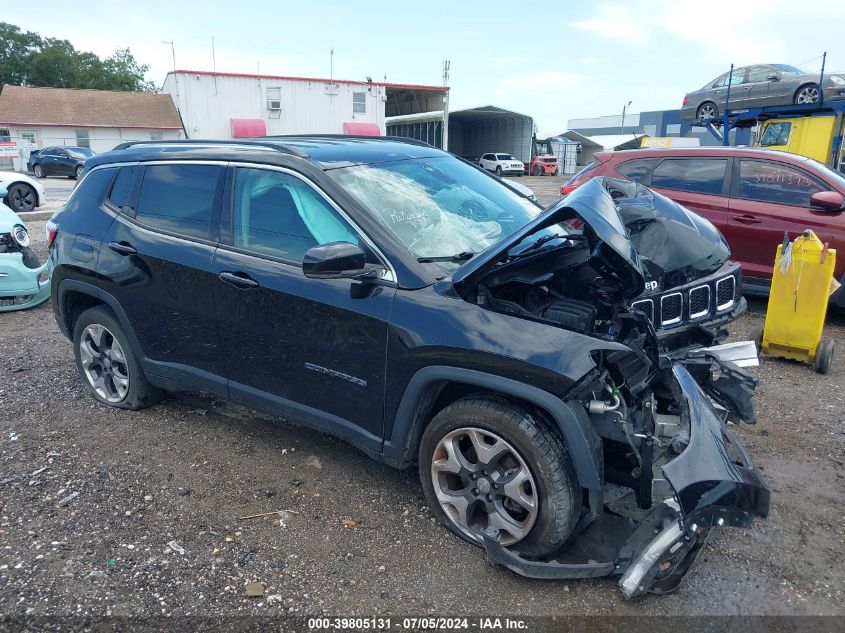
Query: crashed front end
pixel 671 470
pixel 24 280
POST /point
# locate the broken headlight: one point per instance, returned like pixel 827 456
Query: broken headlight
pixel 20 235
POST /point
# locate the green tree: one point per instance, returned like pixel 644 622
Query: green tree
pixel 27 59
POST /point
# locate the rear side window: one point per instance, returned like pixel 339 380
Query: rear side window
pixel 122 187
pixel 698 175
pixel 637 169
pixel 91 191
pixel 775 182
pixel 178 198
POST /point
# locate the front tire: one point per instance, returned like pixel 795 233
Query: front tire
pixel 499 171
pixel 538 171
pixel 107 363
pixel 78 172
pixel 485 463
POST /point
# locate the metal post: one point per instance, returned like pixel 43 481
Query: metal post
pixel 622 127
pixel 726 129
pixel 821 79
pixel 444 133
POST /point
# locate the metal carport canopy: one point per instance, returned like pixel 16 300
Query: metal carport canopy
pixel 472 131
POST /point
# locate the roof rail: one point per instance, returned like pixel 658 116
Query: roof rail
pixel 279 147
pixel 399 139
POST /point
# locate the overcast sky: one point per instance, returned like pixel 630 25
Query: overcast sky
pixel 554 61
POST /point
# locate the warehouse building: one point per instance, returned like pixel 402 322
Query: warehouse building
pixel 236 105
pixel 34 118
pixel 657 123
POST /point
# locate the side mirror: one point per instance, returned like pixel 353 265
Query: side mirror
pixel 337 260
pixel 828 200
pixel 773 78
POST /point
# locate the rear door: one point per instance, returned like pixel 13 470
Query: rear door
pixel 769 199
pixel 720 89
pixel 700 184
pixel 314 347
pixel 157 259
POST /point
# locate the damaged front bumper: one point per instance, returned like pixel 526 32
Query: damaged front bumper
pixel 714 484
pixel 22 287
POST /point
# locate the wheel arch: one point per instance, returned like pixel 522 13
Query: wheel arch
pixel 433 388
pixel 805 85
pixel 73 297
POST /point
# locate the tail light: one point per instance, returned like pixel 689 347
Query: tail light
pixel 686 100
pixel 566 189
pixel 52 231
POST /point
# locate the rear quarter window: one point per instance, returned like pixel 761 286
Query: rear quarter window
pixel 122 187
pixel 178 198
pixel 91 191
pixel 697 175
pixel 637 169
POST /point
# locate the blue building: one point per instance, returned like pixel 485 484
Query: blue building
pixel 655 123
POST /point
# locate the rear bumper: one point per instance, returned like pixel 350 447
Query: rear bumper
pixel 714 485
pixel 19 286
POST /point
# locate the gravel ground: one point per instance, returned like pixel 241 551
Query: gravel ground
pixel 105 511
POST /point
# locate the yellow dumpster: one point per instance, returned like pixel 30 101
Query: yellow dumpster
pixel 801 285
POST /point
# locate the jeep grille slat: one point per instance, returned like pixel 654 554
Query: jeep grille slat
pixel 725 292
pixel 671 308
pixel 646 306
pixel 699 302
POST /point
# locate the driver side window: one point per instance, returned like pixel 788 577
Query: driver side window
pixel 277 214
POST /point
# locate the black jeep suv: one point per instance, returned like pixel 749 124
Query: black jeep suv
pixel 397 297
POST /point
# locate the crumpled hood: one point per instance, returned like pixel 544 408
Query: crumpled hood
pixel 675 245
pixel 604 227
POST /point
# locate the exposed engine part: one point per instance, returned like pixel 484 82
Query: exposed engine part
pixel 572 314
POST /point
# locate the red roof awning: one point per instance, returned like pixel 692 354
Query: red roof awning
pixel 361 129
pixel 248 128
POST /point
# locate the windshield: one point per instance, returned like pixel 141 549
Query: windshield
pixel 789 70
pixel 437 207
pixel 505 157
pixel 80 152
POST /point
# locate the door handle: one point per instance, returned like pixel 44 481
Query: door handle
pixel 122 248
pixel 746 219
pixel 239 280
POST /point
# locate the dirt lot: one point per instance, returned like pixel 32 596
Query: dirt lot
pixel 112 512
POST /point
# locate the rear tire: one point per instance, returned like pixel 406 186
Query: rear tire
pixel 38 170
pixel 108 365
pixel 531 480
pixel 707 111
pixel 824 356
pixel 806 94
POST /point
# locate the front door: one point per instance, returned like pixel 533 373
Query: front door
pixel 770 199
pixel 312 347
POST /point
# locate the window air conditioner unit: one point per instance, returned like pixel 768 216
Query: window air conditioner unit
pixel 274 105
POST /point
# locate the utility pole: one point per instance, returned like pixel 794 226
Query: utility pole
pixel 444 136
pixel 624 108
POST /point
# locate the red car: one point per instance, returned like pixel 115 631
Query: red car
pixel 752 196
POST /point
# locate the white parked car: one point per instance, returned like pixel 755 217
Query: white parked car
pixel 24 193
pixel 502 164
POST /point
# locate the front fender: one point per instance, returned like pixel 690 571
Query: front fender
pixel 581 440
